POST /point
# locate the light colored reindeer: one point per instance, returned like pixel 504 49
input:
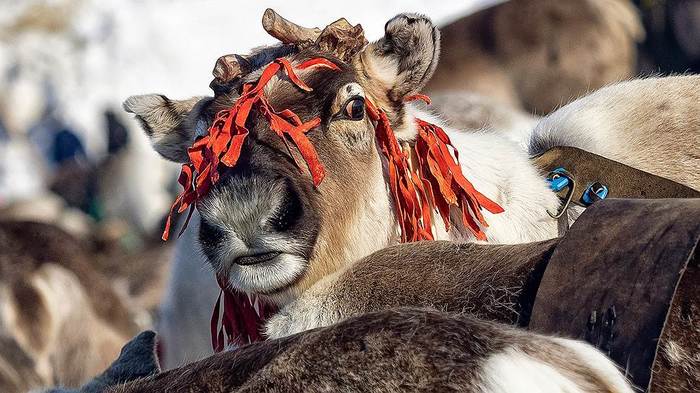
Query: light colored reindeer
pixel 275 235
pixel 56 310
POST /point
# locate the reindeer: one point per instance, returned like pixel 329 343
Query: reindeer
pixel 61 322
pixel 265 225
pixel 540 54
pixel 390 351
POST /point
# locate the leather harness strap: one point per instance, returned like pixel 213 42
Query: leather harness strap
pixel 622 180
pixel 613 277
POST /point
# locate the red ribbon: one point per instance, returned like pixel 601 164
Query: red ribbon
pixel 240 321
pixel 442 176
pixel 437 182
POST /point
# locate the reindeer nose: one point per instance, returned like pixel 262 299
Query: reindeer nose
pixel 289 211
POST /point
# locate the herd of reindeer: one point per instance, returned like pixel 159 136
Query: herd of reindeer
pixel 353 308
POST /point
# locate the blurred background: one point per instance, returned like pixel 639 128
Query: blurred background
pixel 70 156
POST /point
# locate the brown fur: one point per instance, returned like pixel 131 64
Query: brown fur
pixel 485 280
pixel 540 53
pixel 58 309
pixel 399 350
pixel 677 364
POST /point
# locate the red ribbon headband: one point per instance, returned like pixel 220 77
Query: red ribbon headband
pixel 224 141
pixel 437 181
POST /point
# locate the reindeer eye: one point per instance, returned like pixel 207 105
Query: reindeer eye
pixel 354 108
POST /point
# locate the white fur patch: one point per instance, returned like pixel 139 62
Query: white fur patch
pixel 512 371
pixel 314 309
pixel 604 368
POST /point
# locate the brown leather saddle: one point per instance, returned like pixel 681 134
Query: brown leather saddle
pixel 625 278
pixel 622 277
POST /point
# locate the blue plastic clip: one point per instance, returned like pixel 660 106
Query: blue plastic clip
pixel 594 192
pixel 558 179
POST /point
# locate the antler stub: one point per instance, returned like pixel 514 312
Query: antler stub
pixel 340 38
pixel 228 69
pixel 288 32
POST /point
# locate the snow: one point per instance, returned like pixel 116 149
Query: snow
pixel 105 50
pixel 115 48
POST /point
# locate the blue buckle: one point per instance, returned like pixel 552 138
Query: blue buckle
pixel 558 180
pixel 593 193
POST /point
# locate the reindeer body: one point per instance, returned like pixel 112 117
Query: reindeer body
pixel 402 350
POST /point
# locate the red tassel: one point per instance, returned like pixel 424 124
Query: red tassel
pixel 438 182
pixel 240 323
pixel 438 167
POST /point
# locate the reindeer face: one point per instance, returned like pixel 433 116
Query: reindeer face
pixel 264 223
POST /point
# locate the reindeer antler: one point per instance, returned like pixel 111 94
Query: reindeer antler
pixel 339 38
pixel 228 69
pixel 286 31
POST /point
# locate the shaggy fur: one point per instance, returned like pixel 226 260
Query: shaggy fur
pixel 678 356
pixel 490 282
pixel 395 351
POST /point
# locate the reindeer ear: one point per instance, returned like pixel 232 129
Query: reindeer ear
pixel 137 359
pixel 405 58
pixel 170 124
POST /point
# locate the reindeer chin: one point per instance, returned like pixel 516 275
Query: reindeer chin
pixel 268 278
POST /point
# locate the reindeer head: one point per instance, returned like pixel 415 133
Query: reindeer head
pixel 264 223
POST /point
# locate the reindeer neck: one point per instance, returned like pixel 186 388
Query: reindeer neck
pixel 502 171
